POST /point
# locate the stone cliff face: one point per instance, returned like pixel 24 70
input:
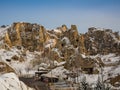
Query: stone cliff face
pixel 35 37
pixel 102 41
pixel 30 36
pixel 34 46
pixel 7 40
pixel 82 48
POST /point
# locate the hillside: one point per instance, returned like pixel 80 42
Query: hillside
pixel 25 47
pixel 10 81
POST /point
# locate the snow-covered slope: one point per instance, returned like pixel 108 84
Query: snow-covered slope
pixel 3 30
pixel 17 64
pixel 10 81
pixel 2 33
pixel 60 51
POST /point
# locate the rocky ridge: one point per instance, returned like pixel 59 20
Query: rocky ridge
pixel 34 37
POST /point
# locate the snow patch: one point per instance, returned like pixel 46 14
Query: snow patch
pixel 50 43
pixel 66 39
pixel 59 72
pixel 110 58
pixel 10 81
pixel 57 31
pixel 3 31
pixel 59 64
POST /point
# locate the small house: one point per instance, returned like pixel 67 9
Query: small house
pixel 39 73
pixel 49 78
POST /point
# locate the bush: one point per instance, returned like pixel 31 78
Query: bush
pixel 84 84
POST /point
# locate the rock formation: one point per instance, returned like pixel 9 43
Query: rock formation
pixel 30 36
pixel 34 37
pixel 36 46
pixel 5 68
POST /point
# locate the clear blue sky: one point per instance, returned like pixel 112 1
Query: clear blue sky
pixel 54 13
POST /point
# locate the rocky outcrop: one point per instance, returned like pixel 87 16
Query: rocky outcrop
pixel 81 45
pixel 7 40
pixel 30 36
pixel 38 47
pixel 34 37
pixel 101 41
pixel 64 28
pixel 5 68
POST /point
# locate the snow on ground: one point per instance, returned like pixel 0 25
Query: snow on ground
pixel 26 65
pixel 50 43
pixel 7 54
pixel 91 79
pixel 30 55
pixel 57 51
pixel 113 36
pixel 112 67
pixel 116 70
pixel 3 30
pixel 107 59
pixel 57 31
pixel 83 55
pixel 2 33
pixel 44 65
pixel 52 35
pixel 110 58
pixel 10 81
pixel 59 72
pixel 110 70
pixel 59 64
pixel 66 39
pixel 114 88
pixel 20 67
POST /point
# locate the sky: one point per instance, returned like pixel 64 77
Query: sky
pixel 54 13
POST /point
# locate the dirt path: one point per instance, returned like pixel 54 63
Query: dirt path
pixel 38 85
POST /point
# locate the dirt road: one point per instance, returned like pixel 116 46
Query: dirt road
pixel 38 85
